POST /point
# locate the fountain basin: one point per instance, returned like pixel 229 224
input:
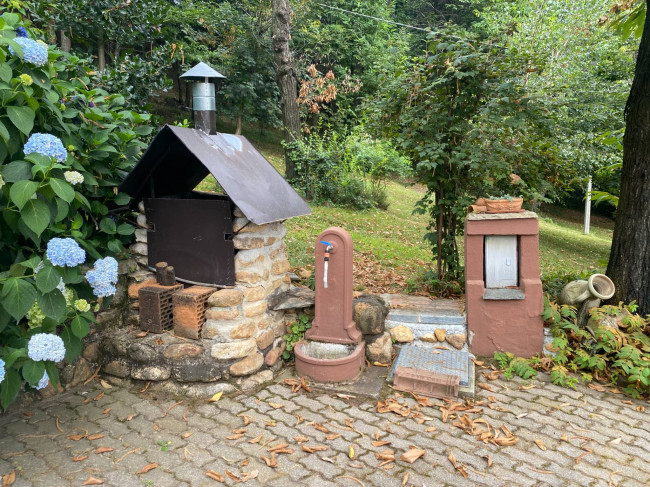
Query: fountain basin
pixel 329 362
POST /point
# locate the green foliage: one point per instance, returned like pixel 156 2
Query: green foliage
pixel 620 355
pixel 347 171
pixel 296 333
pixel 42 198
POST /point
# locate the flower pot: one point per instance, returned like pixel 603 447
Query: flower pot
pixel 504 206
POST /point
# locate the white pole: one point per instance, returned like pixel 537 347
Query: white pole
pixel 588 207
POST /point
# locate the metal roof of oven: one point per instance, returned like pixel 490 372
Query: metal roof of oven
pixel 180 158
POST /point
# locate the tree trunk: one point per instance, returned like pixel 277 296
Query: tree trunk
pixel 66 43
pixel 238 125
pixel 285 76
pixel 101 51
pixel 629 263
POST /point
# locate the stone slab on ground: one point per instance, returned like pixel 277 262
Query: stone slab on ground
pixel 606 443
pixel 433 358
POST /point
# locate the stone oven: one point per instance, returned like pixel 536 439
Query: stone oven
pixel 225 253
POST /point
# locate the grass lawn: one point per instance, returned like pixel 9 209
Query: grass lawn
pixel 389 252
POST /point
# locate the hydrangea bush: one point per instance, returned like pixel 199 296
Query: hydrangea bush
pixel 64 148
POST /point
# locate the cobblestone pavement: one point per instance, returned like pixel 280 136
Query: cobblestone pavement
pixel 590 438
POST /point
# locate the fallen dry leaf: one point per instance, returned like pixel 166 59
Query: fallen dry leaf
pixel 232 475
pixel 276 405
pixel 540 445
pixel 412 454
pixel 103 449
pixel 130 417
pixel 255 440
pixel 379 364
pixel 238 431
pixel 246 476
pixel 247 419
pixel 76 437
pixel 8 479
pixel 147 467
pixel 487 387
pixel 142 334
pixel 105 384
pixel 107 410
pixel 216 397
pixel 96 436
pixel 596 387
pixel 300 439
pixel 460 468
pixel 489 460
pixel 640 409
pixel 79 458
pixel 215 476
pixel 245 462
pixel 477 362
pixel 430 429
pixel 186 435
pixel 146 387
pixel 615 441
pixel 271 462
pixel 405 479
pixel 377 444
pixel 526 388
pixel 93 481
pixel 322 428
pixel 98 396
pixel 332 437
pixel 312 449
pixel 56 423
pixel 587 452
pixel 234 437
pixel 351 452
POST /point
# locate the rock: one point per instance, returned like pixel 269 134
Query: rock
pixel 369 313
pixel 229 330
pixel 380 348
pixel 294 298
pixel 247 242
pixel 402 334
pixel 265 339
pixel 255 309
pixel 256 380
pixel 273 355
pixel 253 294
pixel 141 352
pixel 82 371
pixel 140 248
pixel 117 368
pixel 204 391
pixel 440 334
pixel 238 213
pixel 180 350
pixel 225 298
pixel 247 366
pixel 142 221
pixel 196 371
pixel 110 316
pixel 236 349
pixel 140 235
pixel 250 277
pixel 429 338
pixel 221 313
pixel 280 266
pixel 151 372
pixel 457 341
pixel 91 352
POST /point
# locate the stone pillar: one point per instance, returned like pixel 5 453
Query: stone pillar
pixel 504 319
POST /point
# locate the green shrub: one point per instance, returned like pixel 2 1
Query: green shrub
pixel 348 171
pixel 64 148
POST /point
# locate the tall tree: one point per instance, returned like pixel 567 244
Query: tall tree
pixel 286 77
pixel 629 263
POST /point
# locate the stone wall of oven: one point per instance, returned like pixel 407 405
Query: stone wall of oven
pixel 241 343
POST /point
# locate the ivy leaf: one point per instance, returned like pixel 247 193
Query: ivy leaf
pixel 52 304
pixel 62 189
pixel 33 372
pixel 17 297
pixel 79 327
pixel 47 279
pixel 22 191
pixel 22 118
pixel 36 216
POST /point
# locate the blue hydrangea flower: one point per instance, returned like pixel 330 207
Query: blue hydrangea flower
pixel 46 145
pixel 33 52
pixel 65 252
pixel 103 277
pixel 21 32
pixel 45 346
pixel 42 384
pixel 2 370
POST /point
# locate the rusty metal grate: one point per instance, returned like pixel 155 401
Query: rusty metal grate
pixel 156 310
pixel 189 311
pixel 426 383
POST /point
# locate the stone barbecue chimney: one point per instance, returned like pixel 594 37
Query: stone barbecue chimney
pixel 203 101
